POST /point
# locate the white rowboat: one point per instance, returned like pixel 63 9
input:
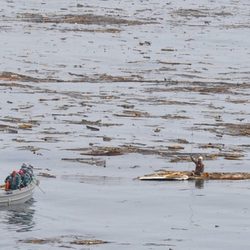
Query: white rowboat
pixel 18 196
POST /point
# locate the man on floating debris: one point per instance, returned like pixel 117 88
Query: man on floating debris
pixel 199 165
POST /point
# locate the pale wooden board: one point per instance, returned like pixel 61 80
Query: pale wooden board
pixel 167 178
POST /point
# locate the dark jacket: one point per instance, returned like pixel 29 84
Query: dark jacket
pixel 199 166
pixel 15 181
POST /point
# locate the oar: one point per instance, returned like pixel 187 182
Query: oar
pixel 37 184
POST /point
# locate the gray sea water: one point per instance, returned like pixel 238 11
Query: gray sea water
pixel 169 70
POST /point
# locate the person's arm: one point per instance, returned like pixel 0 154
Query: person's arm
pixel 192 159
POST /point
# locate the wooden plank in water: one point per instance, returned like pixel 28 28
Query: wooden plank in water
pixel 164 178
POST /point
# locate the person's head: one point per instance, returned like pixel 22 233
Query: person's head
pixel 20 172
pixel 200 158
pixel 13 173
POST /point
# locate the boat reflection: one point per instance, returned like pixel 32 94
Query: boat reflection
pixel 19 218
pixel 199 184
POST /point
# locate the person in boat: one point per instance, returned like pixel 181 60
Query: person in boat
pixel 199 165
pixel 25 178
pixel 13 181
pixel 27 170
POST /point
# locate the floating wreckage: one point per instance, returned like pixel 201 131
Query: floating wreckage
pixel 189 175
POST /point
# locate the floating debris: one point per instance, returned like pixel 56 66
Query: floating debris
pixel 130 113
pixel 107 151
pixel 106 138
pixel 175 147
pixel 49 100
pixel 232 129
pixel 88 242
pixel 188 175
pixel 127 106
pixel 233 156
pixel 175 117
pixel 11 76
pixel 47 175
pixel 168 49
pixel 157 130
pixel 79 19
pixel 92 128
pixel 41 241
pixel 89 161
pixel 212 145
pixel 90 123
pixel 181 141
pixel 25 126
pixel 65 241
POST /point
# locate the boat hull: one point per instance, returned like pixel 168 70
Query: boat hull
pixel 19 196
